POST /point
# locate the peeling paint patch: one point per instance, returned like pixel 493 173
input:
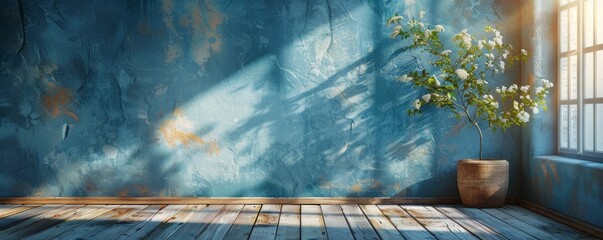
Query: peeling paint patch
pixel 56 102
pixel 357 188
pixel 213 149
pixel 173 131
pixel 206 39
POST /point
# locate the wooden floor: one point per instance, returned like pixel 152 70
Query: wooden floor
pixel 276 222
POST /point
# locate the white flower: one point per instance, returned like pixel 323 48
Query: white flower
pixel 439 28
pixel 535 110
pixel 426 97
pixel 446 52
pixel 421 14
pixel 396 31
pixel 480 44
pixel 394 19
pixel 464 37
pixel 494 104
pixel 479 81
pixel 503 89
pixel 462 73
pixel 489 55
pixel 443 75
pixel 498 40
pixel 404 78
pixel 417 104
pixel 427 33
pixel 516 105
pixel 421 24
pixel 491 44
pixel 524 52
pixel 539 89
pixel 505 54
pixel 547 84
pixel 501 64
pixel 523 116
pixel 513 88
pixel 525 88
pixel 497 89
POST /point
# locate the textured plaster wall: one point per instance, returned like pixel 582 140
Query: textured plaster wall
pixel 229 98
pixel 569 186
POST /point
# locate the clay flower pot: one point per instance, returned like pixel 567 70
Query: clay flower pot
pixel 483 183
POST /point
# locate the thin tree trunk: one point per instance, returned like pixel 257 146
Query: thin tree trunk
pixel 481 139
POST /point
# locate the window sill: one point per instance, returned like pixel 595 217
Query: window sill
pixel 572 160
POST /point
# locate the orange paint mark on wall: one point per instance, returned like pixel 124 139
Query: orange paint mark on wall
pixel 56 101
pixel 357 188
pixel 172 135
pixel 214 148
pixel 172 131
pixel 205 29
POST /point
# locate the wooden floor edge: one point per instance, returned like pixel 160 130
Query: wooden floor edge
pixel 234 200
pixel 567 220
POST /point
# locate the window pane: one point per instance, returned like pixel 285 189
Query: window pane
pixel 599 74
pixel 563 75
pixel 564 127
pixel 589 127
pixel 573 126
pixel 599 18
pixel 588 23
pixel 588 75
pixel 563 30
pixel 599 126
pixel 573 28
pixel 573 77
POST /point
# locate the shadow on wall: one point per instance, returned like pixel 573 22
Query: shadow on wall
pixel 219 98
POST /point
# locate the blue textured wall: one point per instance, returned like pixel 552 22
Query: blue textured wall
pixel 229 98
pixel 569 186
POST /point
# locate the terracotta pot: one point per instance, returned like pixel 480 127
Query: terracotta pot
pixel 483 183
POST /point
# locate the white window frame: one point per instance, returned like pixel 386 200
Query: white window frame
pixel 580 101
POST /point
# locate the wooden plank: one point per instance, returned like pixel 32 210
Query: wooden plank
pixel 15 218
pixel 7 210
pixel 335 223
pixel 361 228
pixel 289 223
pixel 551 226
pixel 48 222
pixel 144 226
pixel 197 223
pixel 222 200
pixel 495 224
pixel 480 230
pixel 580 225
pixel 437 223
pixel 381 224
pixel 39 222
pixel 222 222
pixel 71 223
pixel 101 223
pixel 312 223
pixel 167 228
pixel 243 225
pixel 405 223
pixel 128 223
pixel 521 225
pixel 266 223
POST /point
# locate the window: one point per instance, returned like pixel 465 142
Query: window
pixel 581 78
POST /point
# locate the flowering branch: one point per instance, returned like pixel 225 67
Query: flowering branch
pixel 459 84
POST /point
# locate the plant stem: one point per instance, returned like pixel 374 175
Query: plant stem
pixel 481 139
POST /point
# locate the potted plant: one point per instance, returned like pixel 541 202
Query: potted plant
pixel 458 82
